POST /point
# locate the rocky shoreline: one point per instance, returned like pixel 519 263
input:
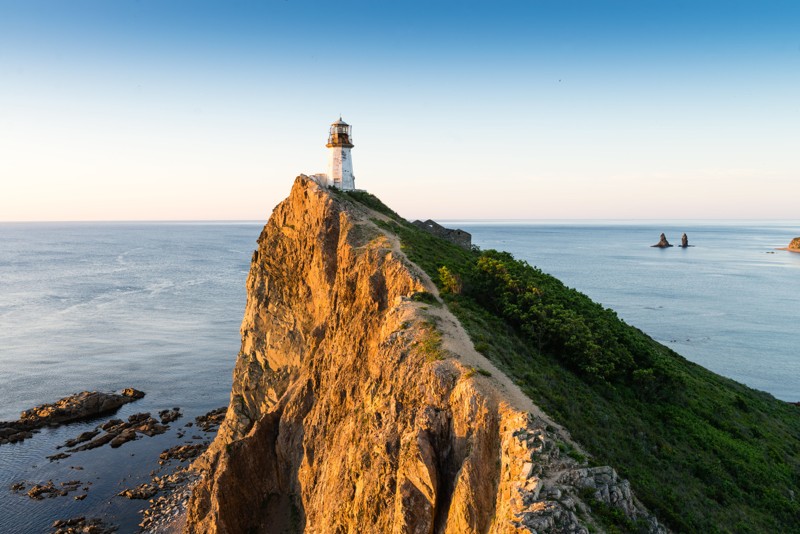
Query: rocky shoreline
pixel 167 512
pixel 84 405
pixel 119 432
pixel 170 484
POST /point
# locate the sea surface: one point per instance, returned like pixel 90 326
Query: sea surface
pixel 157 306
pixel 105 306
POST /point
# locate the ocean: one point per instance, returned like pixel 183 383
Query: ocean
pixel 105 306
pixel 157 307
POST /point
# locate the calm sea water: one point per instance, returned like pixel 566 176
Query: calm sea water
pixel 158 306
pixel 103 307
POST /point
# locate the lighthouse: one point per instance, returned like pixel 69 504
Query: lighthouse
pixel 340 163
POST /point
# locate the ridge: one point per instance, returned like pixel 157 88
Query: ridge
pixel 360 404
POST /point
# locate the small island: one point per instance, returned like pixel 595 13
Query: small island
pixel 794 246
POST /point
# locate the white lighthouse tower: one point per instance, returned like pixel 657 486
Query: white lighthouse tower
pixel 340 164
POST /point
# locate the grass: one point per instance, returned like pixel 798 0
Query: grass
pixel 430 344
pixel 704 453
pixel 425 297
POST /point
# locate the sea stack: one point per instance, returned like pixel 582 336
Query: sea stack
pixel 684 241
pixel 663 243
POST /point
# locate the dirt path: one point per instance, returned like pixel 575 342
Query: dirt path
pixel 456 340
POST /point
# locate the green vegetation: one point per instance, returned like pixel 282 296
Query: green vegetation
pixel 479 370
pixel 370 201
pixel 430 344
pixel 704 453
pixel 424 296
pixel 451 283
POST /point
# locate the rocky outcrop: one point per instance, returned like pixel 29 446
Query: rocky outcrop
pixel 48 490
pixel 684 241
pixel 454 235
pixel 82 525
pixel 357 408
pixel 662 242
pixel 85 405
pixel 794 246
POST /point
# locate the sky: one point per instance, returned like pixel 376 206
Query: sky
pixel 194 110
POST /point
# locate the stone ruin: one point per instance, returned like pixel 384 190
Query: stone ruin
pixel 457 236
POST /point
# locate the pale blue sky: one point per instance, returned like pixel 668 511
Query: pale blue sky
pixel 535 109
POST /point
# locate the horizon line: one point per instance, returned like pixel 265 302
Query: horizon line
pixel 450 219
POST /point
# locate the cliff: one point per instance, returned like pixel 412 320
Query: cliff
pixel 359 403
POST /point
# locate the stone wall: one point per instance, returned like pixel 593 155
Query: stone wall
pixel 457 236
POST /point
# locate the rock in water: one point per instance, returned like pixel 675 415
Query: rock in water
pixel 662 243
pixel 133 393
pixel 76 407
pixel 794 246
pixel 81 525
pixel 352 412
pixel 684 241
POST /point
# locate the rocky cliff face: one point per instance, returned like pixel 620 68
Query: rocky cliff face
pixel 357 408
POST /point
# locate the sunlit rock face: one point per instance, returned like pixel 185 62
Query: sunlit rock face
pixel 352 409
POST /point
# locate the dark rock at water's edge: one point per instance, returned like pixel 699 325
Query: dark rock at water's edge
pixel 684 241
pixel 119 432
pixel 78 525
pixel 133 393
pixel 168 416
pixel 662 243
pixel 210 422
pixel 49 489
pixel 174 487
pixel 457 236
pixel 84 405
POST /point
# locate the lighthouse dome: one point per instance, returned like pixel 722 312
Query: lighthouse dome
pixel 340 134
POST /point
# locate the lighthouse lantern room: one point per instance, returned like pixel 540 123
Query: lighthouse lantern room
pixel 340 163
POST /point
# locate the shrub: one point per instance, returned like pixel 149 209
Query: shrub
pixel 451 283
